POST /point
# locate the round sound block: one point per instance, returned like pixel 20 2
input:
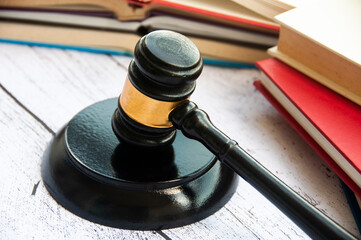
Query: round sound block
pixel 89 172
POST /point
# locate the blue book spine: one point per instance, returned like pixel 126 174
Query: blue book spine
pixel 68 47
pixel 353 204
pixel 208 61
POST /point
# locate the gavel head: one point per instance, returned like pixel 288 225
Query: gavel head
pixel 161 76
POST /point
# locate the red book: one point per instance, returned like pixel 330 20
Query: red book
pixel 330 123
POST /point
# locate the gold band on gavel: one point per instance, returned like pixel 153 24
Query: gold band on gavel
pixel 146 110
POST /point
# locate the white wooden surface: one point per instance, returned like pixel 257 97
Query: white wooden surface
pixel 42 89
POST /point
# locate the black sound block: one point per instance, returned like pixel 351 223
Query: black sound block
pixel 90 173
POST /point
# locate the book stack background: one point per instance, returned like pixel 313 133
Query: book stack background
pixel 227 32
pixel 314 81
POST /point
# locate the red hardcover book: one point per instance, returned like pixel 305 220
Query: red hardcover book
pixel 330 123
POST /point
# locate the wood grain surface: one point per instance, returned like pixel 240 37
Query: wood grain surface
pixel 43 88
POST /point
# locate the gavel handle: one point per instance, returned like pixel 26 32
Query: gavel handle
pixel 195 124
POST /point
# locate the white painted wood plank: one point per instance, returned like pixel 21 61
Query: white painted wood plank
pixel 28 213
pixel 56 84
pixel 50 79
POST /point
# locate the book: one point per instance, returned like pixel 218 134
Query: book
pixel 221 12
pixel 352 199
pixel 226 33
pixel 267 8
pixel 329 122
pixel 154 22
pixel 325 45
pixel 271 8
pixel 118 41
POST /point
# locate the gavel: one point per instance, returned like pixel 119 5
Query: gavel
pixel 155 174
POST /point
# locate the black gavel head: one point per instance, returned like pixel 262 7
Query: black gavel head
pixel 161 76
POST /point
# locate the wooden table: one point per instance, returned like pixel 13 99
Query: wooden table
pixel 43 88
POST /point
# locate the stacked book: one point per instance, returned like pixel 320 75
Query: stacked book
pixel 314 81
pixel 226 32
